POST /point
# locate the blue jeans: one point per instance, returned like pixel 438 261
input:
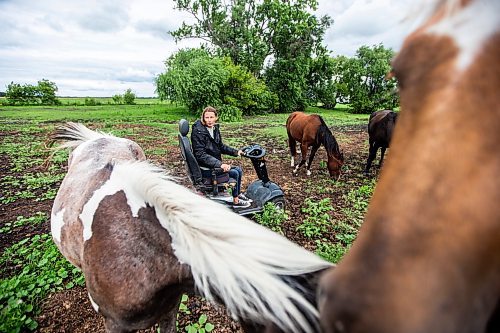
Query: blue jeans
pixel 236 173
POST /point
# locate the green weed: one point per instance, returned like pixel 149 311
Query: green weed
pixel 201 326
pixel 42 270
pixel 271 217
pixel 330 252
pixel 20 221
pixel 317 221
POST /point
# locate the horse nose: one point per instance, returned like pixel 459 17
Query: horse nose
pixel 337 307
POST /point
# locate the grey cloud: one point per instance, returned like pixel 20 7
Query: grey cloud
pixel 109 18
pixel 157 29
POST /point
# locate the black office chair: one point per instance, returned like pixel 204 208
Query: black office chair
pixel 219 180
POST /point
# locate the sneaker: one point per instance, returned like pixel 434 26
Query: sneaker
pixel 244 197
pixel 241 204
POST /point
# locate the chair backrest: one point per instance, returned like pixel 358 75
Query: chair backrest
pixel 192 167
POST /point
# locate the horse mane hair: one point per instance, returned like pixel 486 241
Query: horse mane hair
pixel 231 258
pixel 325 136
pixel 73 134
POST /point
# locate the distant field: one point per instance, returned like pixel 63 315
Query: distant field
pixel 148 112
pixel 109 100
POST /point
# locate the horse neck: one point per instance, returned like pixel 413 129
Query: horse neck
pixel 327 139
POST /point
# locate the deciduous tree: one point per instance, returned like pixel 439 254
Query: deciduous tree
pixel 282 33
pixel 365 78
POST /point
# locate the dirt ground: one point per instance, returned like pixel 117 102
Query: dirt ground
pixel 71 311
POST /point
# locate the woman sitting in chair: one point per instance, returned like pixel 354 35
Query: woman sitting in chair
pixel 208 149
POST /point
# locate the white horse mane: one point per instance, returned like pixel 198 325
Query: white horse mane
pixel 241 262
pixel 75 134
pixel 238 259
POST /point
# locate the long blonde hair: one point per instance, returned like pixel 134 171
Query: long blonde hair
pixel 208 109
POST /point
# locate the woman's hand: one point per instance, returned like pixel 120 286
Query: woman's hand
pixel 225 167
pixel 240 153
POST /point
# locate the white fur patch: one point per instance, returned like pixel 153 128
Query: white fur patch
pixel 292 162
pixel 470 28
pixel 56 224
pixel 114 184
pixel 94 304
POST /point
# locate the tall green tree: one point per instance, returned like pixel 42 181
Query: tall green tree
pixel 46 92
pixel 197 79
pixel 365 80
pixel 43 93
pixel 282 34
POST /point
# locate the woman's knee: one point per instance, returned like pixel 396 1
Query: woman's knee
pixel 233 173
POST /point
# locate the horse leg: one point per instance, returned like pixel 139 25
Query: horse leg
pixel 371 156
pixel 382 152
pixel 168 323
pixel 303 151
pixel 293 149
pixel 314 149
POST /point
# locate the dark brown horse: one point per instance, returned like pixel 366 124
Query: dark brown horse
pixel 427 258
pixel 311 131
pixel 380 128
pixel 142 241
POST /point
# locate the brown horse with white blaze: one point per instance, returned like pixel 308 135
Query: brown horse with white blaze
pixel 141 243
pixel 427 258
pixel 312 131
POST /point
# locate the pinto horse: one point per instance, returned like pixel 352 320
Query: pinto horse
pixel 141 244
pixel 427 258
pixel 311 131
pixel 380 128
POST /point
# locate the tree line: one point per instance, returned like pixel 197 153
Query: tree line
pixel 268 56
pixel 44 93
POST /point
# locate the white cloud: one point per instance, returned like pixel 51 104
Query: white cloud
pixel 365 22
pixel 102 48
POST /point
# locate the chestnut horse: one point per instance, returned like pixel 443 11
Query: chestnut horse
pixel 380 128
pixel 142 241
pixel 311 131
pixel 427 258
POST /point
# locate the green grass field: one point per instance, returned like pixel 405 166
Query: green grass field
pixel 151 111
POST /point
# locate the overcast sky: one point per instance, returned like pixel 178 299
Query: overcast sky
pixel 101 48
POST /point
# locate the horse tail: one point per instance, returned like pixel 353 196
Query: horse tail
pixel 75 134
pixel 325 136
pixel 245 265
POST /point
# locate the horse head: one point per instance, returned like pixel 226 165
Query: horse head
pixel 335 163
pixel 427 258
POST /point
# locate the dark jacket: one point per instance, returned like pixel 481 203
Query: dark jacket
pixel 208 151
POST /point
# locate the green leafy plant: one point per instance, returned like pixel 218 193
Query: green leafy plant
pixel 183 306
pixel 271 217
pixel 41 269
pixel 330 252
pixel 317 221
pixel 20 221
pixel 201 326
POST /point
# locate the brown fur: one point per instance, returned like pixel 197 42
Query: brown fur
pixel 133 285
pixel 380 129
pixel 427 258
pixel 311 131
